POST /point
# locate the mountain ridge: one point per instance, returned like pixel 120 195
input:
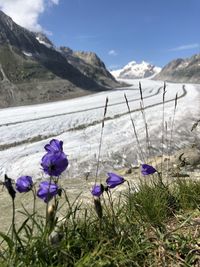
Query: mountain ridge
pixel 89 64
pixel 181 70
pixel 36 72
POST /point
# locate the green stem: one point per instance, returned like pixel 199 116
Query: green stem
pixel 111 205
pixel 13 217
pixel 34 205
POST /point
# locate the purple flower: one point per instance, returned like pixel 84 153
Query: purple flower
pixel 97 190
pixel 147 169
pixel 54 146
pixel 54 163
pixel 24 184
pixel 114 180
pixel 47 191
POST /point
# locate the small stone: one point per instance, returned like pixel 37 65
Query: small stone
pixel 129 171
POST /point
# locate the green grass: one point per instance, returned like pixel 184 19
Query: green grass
pixel 188 193
pixel 20 69
pixel 153 203
pixel 151 227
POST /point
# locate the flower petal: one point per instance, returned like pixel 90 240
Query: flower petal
pixel 114 180
pixel 97 190
pixel 54 146
pixel 147 169
pixel 47 191
pixel 24 184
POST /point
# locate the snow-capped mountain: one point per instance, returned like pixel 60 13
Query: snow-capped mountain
pixel 134 70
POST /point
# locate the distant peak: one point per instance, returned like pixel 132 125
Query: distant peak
pixel 131 63
pixel 145 63
pixel 134 70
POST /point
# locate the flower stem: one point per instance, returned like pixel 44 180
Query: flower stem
pixel 34 205
pixel 13 218
pixel 111 205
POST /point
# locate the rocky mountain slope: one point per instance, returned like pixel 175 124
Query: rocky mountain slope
pixel 134 70
pixel 42 39
pixel 89 64
pixel 181 70
pixel 33 71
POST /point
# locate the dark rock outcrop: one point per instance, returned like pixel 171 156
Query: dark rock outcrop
pixel 181 70
pixel 89 64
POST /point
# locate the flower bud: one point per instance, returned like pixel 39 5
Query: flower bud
pixel 51 214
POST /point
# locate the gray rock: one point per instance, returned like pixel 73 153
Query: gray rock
pixel 90 64
pixel 191 156
pixel 181 70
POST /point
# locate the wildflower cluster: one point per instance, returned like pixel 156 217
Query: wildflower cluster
pixel 114 180
pixel 53 231
pixel 54 163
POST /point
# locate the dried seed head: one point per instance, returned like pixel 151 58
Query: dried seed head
pixel 140 87
pixel 105 111
pixel 176 99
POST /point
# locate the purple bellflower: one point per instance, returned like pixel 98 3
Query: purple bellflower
pixel 97 190
pixel 54 163
pixel 47 191
pixel 54 146
pixel 114 180
pixel 24 184
pixel 147 169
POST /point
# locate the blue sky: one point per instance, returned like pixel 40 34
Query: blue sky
pixel 119 31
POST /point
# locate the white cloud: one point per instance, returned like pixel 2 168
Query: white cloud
pixel 52 2
pixel 112 53
pixel 185 47
pixel 55 2
pixel 26 12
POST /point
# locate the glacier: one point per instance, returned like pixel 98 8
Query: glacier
pixel 26 129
